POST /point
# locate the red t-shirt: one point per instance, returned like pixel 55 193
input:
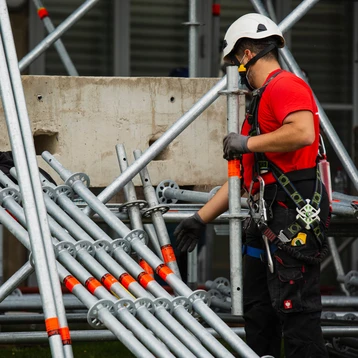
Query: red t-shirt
pixel 284 94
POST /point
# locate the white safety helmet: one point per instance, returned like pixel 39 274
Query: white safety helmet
pixel 252 26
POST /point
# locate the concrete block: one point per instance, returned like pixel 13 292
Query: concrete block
pixel 81 119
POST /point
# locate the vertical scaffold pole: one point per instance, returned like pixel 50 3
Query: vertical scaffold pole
pixel 193 38
pixel 24 154
pixel 134 210
pixel 133 206
pixel 155 212
pixel 234 175
pixel 198 298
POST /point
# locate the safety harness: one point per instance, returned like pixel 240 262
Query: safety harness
pixel 307 210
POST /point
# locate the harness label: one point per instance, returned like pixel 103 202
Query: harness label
pixel 287 304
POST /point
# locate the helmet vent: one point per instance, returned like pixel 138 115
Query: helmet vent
pixel 261 27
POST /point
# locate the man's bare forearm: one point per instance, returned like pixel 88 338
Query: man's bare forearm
pixel 217 205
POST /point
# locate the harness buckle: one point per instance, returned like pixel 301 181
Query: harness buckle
pixel 308 214
pixel 283 237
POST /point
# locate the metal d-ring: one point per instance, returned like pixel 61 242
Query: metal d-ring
pixel 134 203
pixel 92 315
pixel 154 209
pixel 160 191
pixel 84 178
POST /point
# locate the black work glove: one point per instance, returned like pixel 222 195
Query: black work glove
pixel 188 232
pixel 234 145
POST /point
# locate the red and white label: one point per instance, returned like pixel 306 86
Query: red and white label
pixel 287 304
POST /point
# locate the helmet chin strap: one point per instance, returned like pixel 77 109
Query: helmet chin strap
pixel 255 58
pixel 259 55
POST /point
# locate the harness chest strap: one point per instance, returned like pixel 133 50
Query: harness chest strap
pixel 308 210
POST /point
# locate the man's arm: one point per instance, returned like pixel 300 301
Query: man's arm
pixel 297 131
pixel 217 205
pixel 188 232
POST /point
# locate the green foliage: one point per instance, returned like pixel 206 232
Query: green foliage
pixel 80 349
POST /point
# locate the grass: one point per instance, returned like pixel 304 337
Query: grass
pixel 80 349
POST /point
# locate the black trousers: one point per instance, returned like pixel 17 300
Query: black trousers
pixel 286 302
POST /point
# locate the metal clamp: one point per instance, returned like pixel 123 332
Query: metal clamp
pixel 84 178
pixel 160 191
pixel 137 234
pixel 92 315
pixel 49 192
pixel 64 190
pixel 229 92
pixel 144 302
pixel 134 203
pixel 12 192
pixel 102 244
pixel 124 244
pixel 67 246
pixel 200 295
pixel 163 302
pixel 154 209
pixel 124 303
pixel 182 301
pixel 84 244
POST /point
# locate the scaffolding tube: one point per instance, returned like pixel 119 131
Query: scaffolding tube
pixel 102 275
pixel 94 286
pixel 104 335
pixel 16 123
pixel 56 34
pixel 61 50
pixel 235 101
pixel 131 285
pixel 100 309
pixel 77 182
pixel 155 212
pixel 15 280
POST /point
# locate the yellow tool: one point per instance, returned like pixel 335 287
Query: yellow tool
pixel 299 240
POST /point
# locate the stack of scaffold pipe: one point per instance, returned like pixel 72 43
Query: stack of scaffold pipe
pixel 113 282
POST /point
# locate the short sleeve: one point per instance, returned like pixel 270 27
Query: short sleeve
pixel 290 95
